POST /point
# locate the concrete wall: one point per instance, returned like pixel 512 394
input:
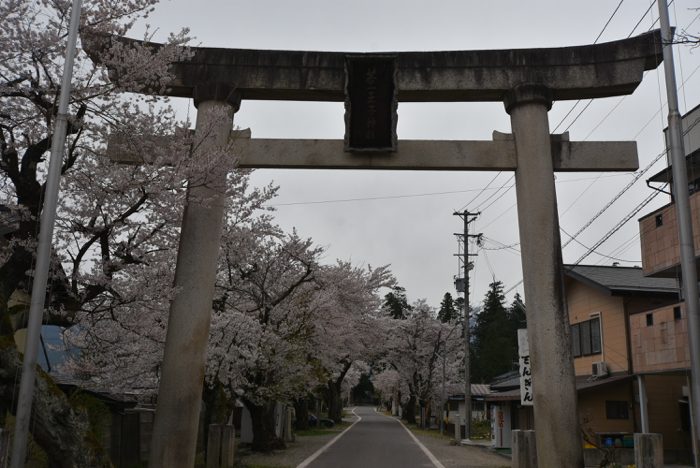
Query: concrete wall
pixel 583 301
pixel 661 346
pixel 660 243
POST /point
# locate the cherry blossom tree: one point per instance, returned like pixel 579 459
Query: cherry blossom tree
pixel 262 322
pixel 348 325
pixel 416 347
pixel 116 223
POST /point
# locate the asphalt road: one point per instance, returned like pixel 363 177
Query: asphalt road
pixel 376 441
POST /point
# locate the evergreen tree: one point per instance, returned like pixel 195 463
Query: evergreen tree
pixel 516 313
pixel 459 305
pixel 494 337
pixel 396 304
pixel 448 310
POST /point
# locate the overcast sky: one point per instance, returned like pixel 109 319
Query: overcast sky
pixel 405 218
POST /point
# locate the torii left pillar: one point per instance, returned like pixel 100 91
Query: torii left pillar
pixel 174 440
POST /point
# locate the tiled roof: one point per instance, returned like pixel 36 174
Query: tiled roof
pixel 582 383
pixel 477 390
pixel 621 279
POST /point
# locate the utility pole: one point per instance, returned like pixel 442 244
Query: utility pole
pixel 467 218
pixel 685 226
pixel 43 256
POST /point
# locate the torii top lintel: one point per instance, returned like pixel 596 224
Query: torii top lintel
pixel 589 71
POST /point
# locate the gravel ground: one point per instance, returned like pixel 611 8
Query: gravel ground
pixel 298 451
pixel 458 456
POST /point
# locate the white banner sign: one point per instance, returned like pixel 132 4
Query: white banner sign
pixel 526 396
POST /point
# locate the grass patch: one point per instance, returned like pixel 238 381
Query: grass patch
pixel 428 432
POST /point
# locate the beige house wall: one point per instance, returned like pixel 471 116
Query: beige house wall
pixel 664 393
pixel 662 346
pixel 660 243
pixel 591 408
pixel 584 302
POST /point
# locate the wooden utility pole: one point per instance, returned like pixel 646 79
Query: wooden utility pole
pixel 467 218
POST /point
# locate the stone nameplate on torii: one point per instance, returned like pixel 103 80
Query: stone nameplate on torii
pixel 371 103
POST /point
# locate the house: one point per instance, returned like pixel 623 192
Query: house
pixel 606 306
pixel 455 408
pixel 619 317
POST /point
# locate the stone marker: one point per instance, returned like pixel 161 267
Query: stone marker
pixel 648 450
pixel 524 449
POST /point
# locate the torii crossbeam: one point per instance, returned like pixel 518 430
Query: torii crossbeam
pixel 527 81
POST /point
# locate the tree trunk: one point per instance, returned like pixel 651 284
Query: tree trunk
pixel 301 407
pixel 335 404
pixel 409 412
pixel 61 430
pixel 263 418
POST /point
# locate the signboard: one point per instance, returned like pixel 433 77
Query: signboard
pixel 370 103
pixel 526 395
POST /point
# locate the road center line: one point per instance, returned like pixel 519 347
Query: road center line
pixel 318 452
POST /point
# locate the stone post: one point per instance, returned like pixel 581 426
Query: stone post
pixel 220 446
pixel 182 374
pixel 524 449
pixel 4 447
pixel 228 441
pixel 556 417
pixel 214 446
pixel 648 451
pixel 288 431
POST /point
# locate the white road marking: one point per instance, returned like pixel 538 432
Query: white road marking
pixel 318 452
pixel 425 450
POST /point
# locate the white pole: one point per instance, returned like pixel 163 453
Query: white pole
pixel 643 411
pixel 43 256
pixel 685 229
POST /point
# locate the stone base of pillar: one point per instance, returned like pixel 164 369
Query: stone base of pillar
pixel 524 449
pixel 648 451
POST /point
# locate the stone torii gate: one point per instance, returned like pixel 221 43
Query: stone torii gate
pixel 527 81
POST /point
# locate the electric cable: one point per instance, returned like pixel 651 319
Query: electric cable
pixel 618 226
pixel 482 191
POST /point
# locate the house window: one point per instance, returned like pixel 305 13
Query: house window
pixel 677 313
pixel 617 410
pixel 659 220
pixel 585 338
pixel 650 320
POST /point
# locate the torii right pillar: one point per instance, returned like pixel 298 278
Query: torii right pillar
pixel 558 443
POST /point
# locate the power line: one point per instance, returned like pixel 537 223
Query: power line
pixel 415 195
pixel 597 38
pixel 385 197
pixel 607 23
pixel 618 226
pixel 636 177
pixel 597 253
pixel 482 191
pixel 501 195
